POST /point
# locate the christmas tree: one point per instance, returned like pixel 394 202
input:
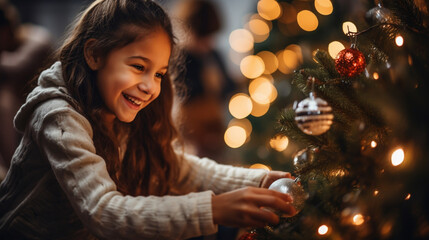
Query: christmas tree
pixel 360 122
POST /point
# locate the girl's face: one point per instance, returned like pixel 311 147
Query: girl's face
pixel 130 77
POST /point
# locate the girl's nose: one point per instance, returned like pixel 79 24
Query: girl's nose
pixel 147 86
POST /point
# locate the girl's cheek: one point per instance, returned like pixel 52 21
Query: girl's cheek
pixel 125 79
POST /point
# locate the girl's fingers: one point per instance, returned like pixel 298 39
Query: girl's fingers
pixel 275 200
pixel 284 196
pixel 263 216
pixel 277 204
pixel 261 192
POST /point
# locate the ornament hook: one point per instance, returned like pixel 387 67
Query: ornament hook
pixel 312 94
pixel 353 38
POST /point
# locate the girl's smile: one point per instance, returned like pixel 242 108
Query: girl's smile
pixel 134 102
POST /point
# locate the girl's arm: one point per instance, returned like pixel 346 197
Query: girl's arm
pixel 238 201
pixel 65 137
pixel 199 174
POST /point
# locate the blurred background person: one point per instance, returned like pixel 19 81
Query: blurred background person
pixel 207 81
pixel 23 51
pixel 208 85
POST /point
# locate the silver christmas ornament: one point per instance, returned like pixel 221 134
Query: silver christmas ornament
pixel 313 115
pixel 379 15
pixel 303 158
pixel 291 187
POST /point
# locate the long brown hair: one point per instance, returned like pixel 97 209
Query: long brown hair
pixel 150 163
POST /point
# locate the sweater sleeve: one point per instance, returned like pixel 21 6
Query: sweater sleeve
pixel 200 174
pixel 65 137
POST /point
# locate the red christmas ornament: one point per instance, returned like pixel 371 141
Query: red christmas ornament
pixel 248 236
pixel 350 62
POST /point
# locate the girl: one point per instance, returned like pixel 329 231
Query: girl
pixel 97 157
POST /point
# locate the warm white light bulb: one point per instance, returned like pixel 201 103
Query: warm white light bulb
pixel 408 196
pixel 323 229
pixel 397 157
pixel 399 40
pixel 358 219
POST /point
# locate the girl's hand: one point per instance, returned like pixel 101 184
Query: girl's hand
pixel 245 207
pixel 273 176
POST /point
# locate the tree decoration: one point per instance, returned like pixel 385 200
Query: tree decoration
pixel 350 62
pixel 294 189
pixel 313 115
pixel 303 158
pixel 248 236
pixel 379 14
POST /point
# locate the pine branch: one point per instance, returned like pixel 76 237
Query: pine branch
pixel 326 62
pixel 407 13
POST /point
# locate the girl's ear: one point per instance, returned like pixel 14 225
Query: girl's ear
pixel 91 59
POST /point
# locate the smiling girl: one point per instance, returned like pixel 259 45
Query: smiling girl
pixel 98 158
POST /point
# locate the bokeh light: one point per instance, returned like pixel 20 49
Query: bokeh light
pixel 269 9
pixel 290 59
pixel 259 27
pixel 410 60
pixel 398 157
pixel 298 51
pixel 324 7
pixel 399 40
pixel 349 27
pixel 244 123
pixel 262 91
pixel 235 136
pixel 358 219
pixel 252 66
pixel 334 48
pixel 270 61
pixel 386 229
pixel 307 20
pixel 373 144
pixel 282 65
pixel 322 230
pixel 260 166
pixel 279 143
pixel 241 40
pixel 408 196
pixel 259 110
pixel 240 105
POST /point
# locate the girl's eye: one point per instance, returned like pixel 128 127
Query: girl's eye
pixel 159 75
pixel 138 67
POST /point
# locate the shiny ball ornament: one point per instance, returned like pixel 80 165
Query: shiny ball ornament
pixel 291 187
pixel 379 15
pixel 313 115
pixel 350 62
pixel 303 158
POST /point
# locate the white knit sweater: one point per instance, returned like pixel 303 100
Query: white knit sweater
pixel 58 187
